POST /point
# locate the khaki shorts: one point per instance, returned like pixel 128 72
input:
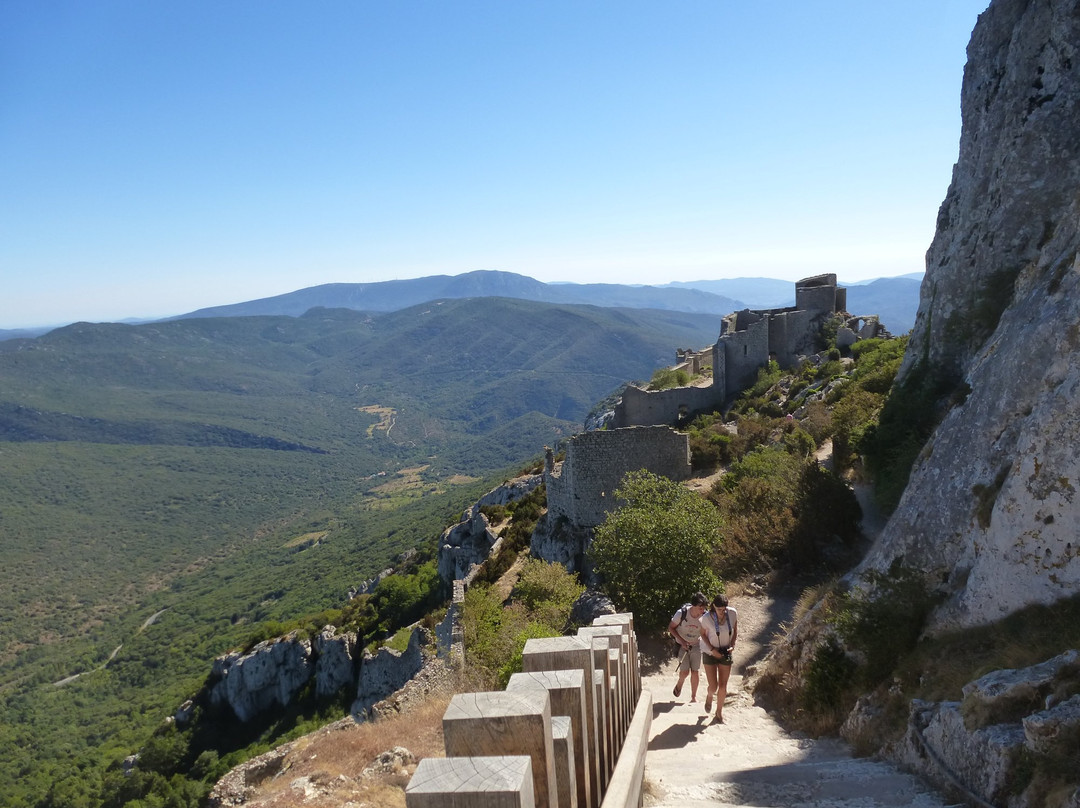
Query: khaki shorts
pixel 690 660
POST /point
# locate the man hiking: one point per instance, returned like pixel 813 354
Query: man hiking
pixel 685 627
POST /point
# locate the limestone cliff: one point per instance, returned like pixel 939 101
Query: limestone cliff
pixel 991 509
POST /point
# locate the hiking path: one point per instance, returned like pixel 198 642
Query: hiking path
pixel 749 760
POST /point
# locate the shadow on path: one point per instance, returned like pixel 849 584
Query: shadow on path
pixel 678 736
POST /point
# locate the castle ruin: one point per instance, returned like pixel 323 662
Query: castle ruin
pixel 748 340
pixel 581 488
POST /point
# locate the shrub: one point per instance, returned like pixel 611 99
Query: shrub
pixel 543 586
pixel 800 443
pixel 852 416
pixel 401 599
pixel 912 410
pixel 657 546
pixel 781 508
pixel 711 445
pixel 829 677
pixel 668 377
pixel 884 622
pixel 496 634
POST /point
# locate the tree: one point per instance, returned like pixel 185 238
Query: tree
pixel 657 549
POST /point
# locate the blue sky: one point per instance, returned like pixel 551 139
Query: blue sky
pixel 160 157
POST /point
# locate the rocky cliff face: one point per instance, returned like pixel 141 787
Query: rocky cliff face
pixel 268 676
pixel 991 510
pixel 471 541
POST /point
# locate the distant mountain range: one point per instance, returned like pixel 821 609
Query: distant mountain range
pixel 395 295
pixel 894 300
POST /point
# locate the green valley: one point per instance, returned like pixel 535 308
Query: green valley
pixel 177 471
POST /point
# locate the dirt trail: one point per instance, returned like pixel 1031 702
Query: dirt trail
pixel 749 760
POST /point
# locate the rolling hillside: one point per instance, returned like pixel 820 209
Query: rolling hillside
pixel 179 469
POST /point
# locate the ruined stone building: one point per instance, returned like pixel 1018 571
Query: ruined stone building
pixel 748 340
pixel 581 488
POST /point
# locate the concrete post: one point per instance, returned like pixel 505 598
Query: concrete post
pixel 567 692
pixel 485 782
pixel 483 724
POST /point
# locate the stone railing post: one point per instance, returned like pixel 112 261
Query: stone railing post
pixel 566 733
pixel 566 688
pixel 499 723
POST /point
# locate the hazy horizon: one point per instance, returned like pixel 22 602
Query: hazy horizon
pixel 159 159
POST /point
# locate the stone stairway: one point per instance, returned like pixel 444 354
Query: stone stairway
pixel 749 760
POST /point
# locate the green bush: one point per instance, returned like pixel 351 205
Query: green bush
pixel 547 588
pixel 781 508
pixel 657 546
pixel 883 623
pixel 800 443
pixel 495 634
pixel 710 446
pixel 912 410
pixel 829 677
pixel 666 378
pixel 852 416
pixel 402 599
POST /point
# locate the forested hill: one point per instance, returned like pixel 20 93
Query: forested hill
pixel 235 470
pixel 399 294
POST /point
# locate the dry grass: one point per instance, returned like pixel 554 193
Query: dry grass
pixel 325 768
pixel 306 538
pixel 384 414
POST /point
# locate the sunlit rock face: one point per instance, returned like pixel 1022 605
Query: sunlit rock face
pixel 991 511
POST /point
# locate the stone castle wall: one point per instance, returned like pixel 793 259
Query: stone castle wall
pixel 582 487
pixel 656 406
pixel 748 340
pixel 745 351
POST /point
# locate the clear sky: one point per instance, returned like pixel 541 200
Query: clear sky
pixel 158 157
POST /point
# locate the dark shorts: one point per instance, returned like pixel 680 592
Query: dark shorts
pixel 724 659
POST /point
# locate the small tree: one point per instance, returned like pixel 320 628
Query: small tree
pixel 657 549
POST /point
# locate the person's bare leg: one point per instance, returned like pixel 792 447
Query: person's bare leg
pixel 678 686
pixel 693 686
pixel 710 674
pixel 723 673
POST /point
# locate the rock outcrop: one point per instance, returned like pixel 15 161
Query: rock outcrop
pixel 469 543
pixel 388 671
pixel 336 660
pixel 465 545
pixel 273 672
pixel 267 676
pixel 991 510
pixel 985 741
